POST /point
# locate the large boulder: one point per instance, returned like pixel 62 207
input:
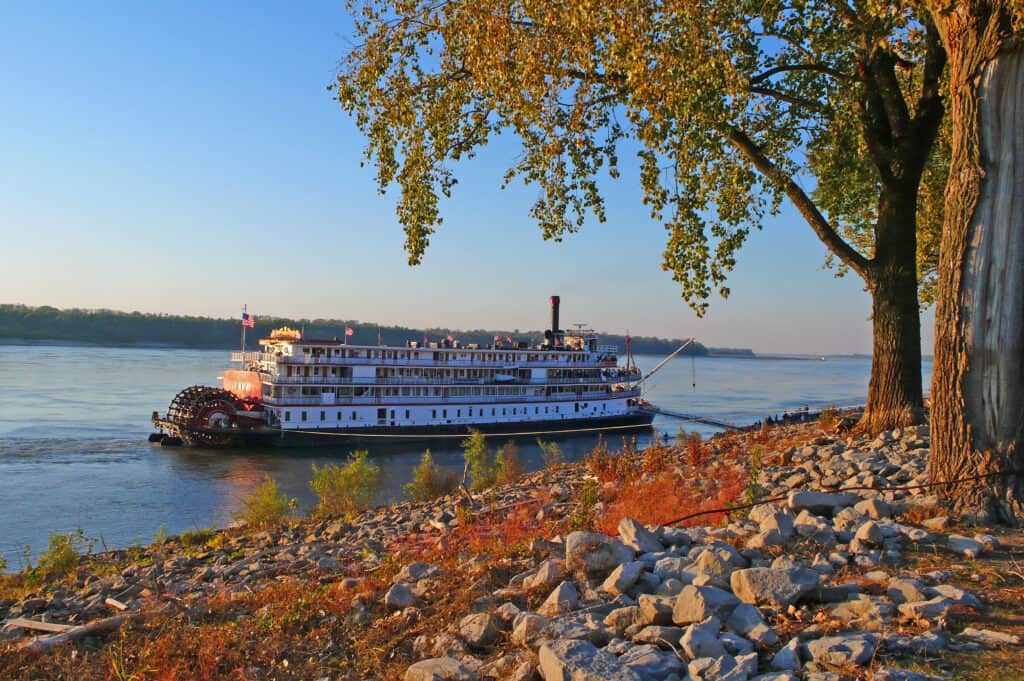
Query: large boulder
pixel 548 574
pixel 581 661
pixel 701 639
pixel 843 649
pixel 562 600
pixel 623 578
pixel 697 603
pixel 655 609
pixel 595 553
pixel 638 537
pixel 439 669
pixel 821 502
pixel 479 630
pixel 767 586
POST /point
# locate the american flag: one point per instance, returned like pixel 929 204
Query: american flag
pixel 349 331
pixel 497 339
pixel 508 339
pixel 451 338
pixel 248 320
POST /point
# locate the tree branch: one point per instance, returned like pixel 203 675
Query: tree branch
pixel 930 106
pixel 835 244
pixel 782 68
pixel 808 104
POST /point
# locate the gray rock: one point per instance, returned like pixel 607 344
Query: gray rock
pixel 439 669
pixel 414 572
pixel 638 537
pixel 820 502
pixel 595 553
pixel 886 673
pixel 780 521
pixel 399 597
pixel 864 612
pixel 478 630
pixel 765 586
pixel 906 591
pixel 581 661
pixel 716 668
pixel 651 663
pixel 746 620
pixel 529 629
pixel 735 644
pixel 665 637
pixel 621 618
pixel 697 603
pixel 870 533
pixel 842 649
pixel 788 657
pixel 562 600
pixel 873 508
pixel 957 595
pixel 713 566
pixel 991 638
pixel 655 609
pixel 775 676
pixel 701 639
pixel 549 573
pixel 965 546
pixel 623 578
pixel 926 610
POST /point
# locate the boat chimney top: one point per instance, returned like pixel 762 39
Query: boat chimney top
pixel 555 301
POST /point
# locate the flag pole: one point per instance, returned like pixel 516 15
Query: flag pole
pixel 245 309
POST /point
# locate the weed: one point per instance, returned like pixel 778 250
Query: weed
pixel 506 464
pixel 266 506
pixel 345 490
pixel 483 467
pixel 582 516
pixel 753 491
pixel 429 480
pixel 550 453
pixel 160 536
pixel 197 537
pixel 3 563
pixel 655 459
pixel 696 452
pixel 828 418
pixel 63 552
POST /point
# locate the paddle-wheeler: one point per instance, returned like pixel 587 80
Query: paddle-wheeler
pixel 301 391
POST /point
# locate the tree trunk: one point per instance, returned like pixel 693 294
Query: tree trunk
pixel 978 385
pixel 894 392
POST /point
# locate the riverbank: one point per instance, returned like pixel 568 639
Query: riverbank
pixel 850 585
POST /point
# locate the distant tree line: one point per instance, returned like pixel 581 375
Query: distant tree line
pixel 111 327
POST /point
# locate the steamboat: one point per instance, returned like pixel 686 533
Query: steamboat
pixel 297 391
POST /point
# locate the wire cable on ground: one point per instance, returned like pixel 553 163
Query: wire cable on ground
pixel 834 490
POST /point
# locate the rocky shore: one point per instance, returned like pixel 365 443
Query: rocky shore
pixel 853 571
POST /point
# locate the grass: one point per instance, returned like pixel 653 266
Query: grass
pixel 197 537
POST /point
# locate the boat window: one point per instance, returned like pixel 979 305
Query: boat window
pixel 458 412
pixel 323 416
pixel 406 413
pixel 444 413
pixel 492 412
pixel 339 416
pixel 303 416
pixel 287 416
pixel 433 413
pixel 353 416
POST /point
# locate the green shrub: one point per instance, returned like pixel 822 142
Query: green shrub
pixel 550 452
pixel 64 551
pixel 430 481
pixel 507 466
pixel 3 563
pixel 348 489
pixel 198 536
pixel 483 469
pixel 266 506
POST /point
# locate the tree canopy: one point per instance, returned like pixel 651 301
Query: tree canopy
pixel 731 106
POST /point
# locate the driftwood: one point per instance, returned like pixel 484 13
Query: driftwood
pixel 45 645
pixel 26 623
pixel 115 604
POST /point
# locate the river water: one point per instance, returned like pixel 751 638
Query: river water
pixel 74 421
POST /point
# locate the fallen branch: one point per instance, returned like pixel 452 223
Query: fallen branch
pixel 45 645
pixel 26 623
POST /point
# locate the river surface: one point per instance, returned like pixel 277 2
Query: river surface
pixel 74 421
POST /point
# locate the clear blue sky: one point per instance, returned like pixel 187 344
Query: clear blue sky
pixel 186 157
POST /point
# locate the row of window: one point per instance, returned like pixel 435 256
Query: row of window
pixel 443 356
pixel 382 413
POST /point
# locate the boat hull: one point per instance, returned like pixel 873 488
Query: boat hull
pixel 275 438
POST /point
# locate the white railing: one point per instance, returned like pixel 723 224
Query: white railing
pixel 473 401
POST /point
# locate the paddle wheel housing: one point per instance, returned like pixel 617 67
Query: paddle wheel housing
pixel 212 417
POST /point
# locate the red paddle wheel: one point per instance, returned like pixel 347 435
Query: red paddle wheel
pixel 212 417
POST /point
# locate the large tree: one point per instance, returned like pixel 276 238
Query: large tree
pixel 978 385
pixel 732 107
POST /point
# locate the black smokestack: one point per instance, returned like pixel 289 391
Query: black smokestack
pixel 555 300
